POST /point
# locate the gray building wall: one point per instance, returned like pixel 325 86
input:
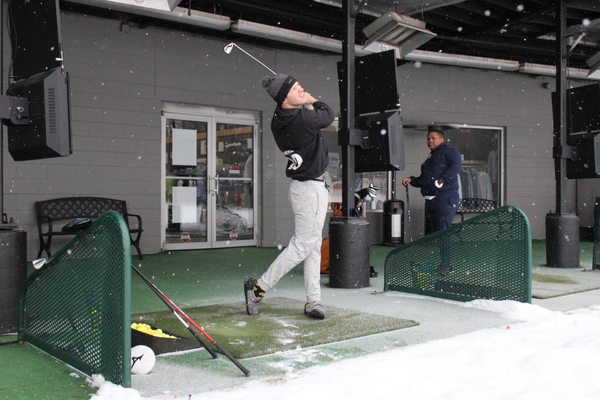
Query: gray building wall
pixel 119 80
pixel 517 102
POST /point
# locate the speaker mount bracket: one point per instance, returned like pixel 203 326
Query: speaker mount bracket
pixel 355 137
pixel 14 110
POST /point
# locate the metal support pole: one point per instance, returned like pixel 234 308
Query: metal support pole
pixel 560 163
pixel 347 105
pixel 349 237
pixel 562 228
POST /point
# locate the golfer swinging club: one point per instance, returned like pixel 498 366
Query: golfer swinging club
pixel 297 132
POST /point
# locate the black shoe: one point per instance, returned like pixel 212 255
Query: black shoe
pixel 315 310
pixel 254 294
pixel 374 273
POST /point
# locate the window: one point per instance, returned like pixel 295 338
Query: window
pixel 362 180
pixel 481 150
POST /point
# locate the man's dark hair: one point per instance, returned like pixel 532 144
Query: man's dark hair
pixel 435 129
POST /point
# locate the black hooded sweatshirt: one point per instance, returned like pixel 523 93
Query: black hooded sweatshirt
pixel 297 132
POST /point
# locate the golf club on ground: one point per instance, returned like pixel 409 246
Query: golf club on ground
pixel 198 338
pixel 227 49
pixel 180 311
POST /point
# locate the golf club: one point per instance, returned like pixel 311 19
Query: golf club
pixel 38 263
pixel 180 311
pixel 198 338
pixel 227 49
pixel 408 210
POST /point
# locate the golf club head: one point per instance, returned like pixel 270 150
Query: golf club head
pixel 38 263
pixel 227 49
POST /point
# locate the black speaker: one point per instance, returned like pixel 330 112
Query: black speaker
pixel 386 143
pixel 586 160
pixel 48 134
pixel 583 109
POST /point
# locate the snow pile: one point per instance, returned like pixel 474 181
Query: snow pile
pixel 109 390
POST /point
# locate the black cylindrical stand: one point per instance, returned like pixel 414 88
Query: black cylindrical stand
pixel 562 240
pixel 13 271
pixel 393 223
pixel 349 261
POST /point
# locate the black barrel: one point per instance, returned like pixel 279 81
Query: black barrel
pixel 562 240
pixel 349 261
pixel 13 271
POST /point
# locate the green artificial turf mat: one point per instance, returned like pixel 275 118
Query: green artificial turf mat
pixel 547 278
pixel 280 325
pixel 30 373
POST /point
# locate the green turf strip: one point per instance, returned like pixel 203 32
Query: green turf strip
pixel 280 325
pixel 35 374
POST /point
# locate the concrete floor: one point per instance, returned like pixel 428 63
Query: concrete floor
pixel 195 372
pixel 216 277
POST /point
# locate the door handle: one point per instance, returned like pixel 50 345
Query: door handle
pixel 215 189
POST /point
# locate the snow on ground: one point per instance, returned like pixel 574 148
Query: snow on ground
pixel 550 355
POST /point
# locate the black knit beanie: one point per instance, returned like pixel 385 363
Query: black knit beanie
pixel 278 86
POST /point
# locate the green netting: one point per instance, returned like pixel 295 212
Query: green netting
pixel 77 307
pixel 485 257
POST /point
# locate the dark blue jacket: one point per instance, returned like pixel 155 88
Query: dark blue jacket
pixel 443 163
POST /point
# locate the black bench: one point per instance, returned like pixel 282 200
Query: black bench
pixel 70 208
pixel 470 205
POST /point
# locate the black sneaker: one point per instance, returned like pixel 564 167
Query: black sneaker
pixel 315 310
pixel 254 294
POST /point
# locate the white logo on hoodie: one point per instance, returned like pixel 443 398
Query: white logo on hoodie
pixel 296 160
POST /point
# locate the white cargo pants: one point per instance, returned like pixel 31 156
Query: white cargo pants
pixel 309 204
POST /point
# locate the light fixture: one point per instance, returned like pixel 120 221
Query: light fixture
pixel 286 35
pixel 179 14
pixel 338 3
pixel 462 61
pixel 399 30
pixel 550 70
pixel 538 69
pixel 164 5
pixel 594 63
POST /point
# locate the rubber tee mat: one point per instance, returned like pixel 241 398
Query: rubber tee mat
pixel 280 325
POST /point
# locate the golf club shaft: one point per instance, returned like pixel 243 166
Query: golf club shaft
pixel 213 341
pixel 255 59
pixel 198 338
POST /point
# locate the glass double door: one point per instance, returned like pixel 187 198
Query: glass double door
pixel 209 190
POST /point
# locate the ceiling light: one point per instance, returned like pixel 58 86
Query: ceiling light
pixel 538 69
pixel 550 70
pixel 179 14
pixel 164 5
pixel 594 63
pixel 462 61
pixel 399 30
pixel 286 35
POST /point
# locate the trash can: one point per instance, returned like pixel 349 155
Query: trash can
pixel 349 252
pixel 393 223
pixel 13 271
pixel 562 240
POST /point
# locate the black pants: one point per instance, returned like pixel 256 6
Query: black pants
pixel 440 213
pixel 441 210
